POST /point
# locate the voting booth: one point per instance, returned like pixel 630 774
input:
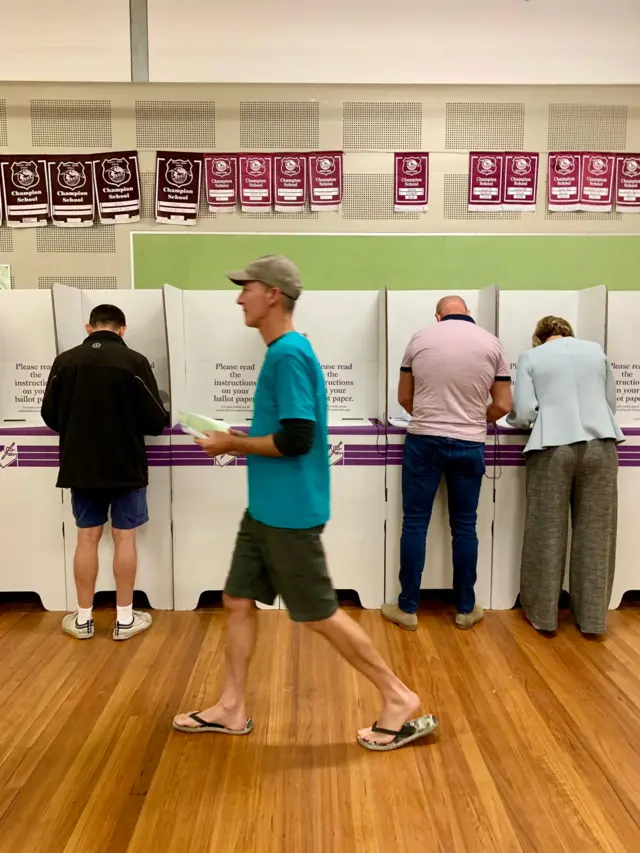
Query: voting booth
pixel 623 351
pixel 518 314
pixel 408 311
pixel 31 542
pixel 146 333
pixel 214 364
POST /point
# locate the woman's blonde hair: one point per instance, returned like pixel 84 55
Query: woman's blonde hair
pixel 550 326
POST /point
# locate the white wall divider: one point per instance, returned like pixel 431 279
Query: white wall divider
pixel 407 312
pixel 344 329
pixel 382 357
pixel 146 333
pixel 31 541
pixel 174 322
pixel 518 314
pixel 68 316
pixel 215 360
pixel 623 350
pixel 592 314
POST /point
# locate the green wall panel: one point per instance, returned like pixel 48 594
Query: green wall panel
pixel 356 262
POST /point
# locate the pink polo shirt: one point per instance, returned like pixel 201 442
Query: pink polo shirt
pixel 454 364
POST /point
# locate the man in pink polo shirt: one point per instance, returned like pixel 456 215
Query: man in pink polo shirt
pixel 448 373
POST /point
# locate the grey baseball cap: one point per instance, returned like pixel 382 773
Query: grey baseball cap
pixel 274 271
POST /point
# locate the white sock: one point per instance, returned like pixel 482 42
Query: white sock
pixel 85 614
pixel 125 614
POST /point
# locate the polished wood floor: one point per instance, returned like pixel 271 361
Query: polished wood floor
pixel 539 747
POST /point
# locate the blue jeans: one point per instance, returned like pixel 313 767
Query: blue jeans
pixel 424 461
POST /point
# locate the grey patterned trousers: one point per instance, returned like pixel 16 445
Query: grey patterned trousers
pixel 583 478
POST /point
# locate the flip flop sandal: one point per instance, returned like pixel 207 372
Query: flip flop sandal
pixel 204 726
pixel 414 729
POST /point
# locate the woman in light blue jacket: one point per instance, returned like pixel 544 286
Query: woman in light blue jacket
pixel 565 392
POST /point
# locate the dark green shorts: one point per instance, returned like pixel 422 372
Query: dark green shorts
pixel 270 561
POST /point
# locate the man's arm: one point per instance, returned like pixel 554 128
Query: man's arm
pixel 152 415
pixel 406 383
pixel 295 401
pixel 295 438
pixel 49 408
pixel 500 391
pixel 501 399
pixel 405 389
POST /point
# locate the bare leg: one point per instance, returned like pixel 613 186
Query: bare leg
pixel 230 708
pixel 125 564
pixel 399 704
pixel 85 564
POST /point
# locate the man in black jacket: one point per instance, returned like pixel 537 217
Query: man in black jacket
pixel 102 398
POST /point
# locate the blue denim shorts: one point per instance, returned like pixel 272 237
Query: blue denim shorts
pixel 128 507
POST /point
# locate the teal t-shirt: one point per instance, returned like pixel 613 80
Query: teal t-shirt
pixel 290 492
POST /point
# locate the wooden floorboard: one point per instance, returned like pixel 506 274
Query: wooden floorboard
pixel 539 749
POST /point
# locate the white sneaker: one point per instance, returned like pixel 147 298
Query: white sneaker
pixel 141 621
pixel 80 632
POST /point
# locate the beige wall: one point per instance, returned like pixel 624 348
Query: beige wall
pixel 71 40
pixel 400 42
pixel 493 42
pixel 369 123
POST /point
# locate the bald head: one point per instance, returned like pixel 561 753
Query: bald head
pixel 451 305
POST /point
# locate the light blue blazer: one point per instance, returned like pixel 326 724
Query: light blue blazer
pixel 565 392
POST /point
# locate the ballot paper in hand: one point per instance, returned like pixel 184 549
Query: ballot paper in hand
pixel 199 425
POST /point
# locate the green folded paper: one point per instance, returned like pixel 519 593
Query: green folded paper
pixel 198 425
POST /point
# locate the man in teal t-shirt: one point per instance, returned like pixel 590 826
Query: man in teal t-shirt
pixel 279 548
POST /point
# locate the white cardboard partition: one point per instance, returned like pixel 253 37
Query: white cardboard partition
pixel 407 312
pixel 215 361
pixel 31 543
pixel 146 333
pixel 518 314
pixel 623 350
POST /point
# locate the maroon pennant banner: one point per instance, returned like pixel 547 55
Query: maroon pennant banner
pixel 71 190
pixel 628 183
pixel 411 182
pixel 256 182
pixel 178 182
pixel 325 180
pixel 520 184
pixel 116 179
pixel 597 184
pixel 25 190
pixel 485 180
pixel 221 182
pixel 563 181
pixel 290 182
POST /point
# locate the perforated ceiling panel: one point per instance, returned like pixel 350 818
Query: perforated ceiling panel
pixel 456 195
pixel 381 125
pixel 3 123
pixel 371 197
pixel 290 125
pixel 484 126
pixel 6 240
pixel 181 125
pixel 98 238
pixel 70 124
pixel 147 195
pixel 587 127
pixel 82 282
